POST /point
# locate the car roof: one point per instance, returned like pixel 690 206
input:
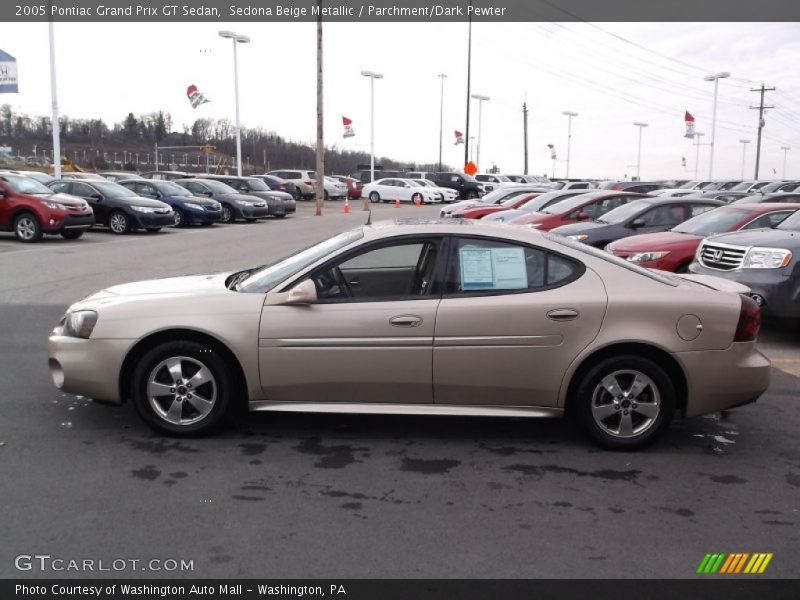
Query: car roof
pixel 765 207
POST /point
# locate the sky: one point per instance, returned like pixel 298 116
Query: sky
pixel 611 74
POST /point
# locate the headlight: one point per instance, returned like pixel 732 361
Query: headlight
pixel 766 258
pixel 80 323
pixel 641 257
pixel 579 238
pixel 194 206
pixel 143 209
pixel 54 205
pixel 538 225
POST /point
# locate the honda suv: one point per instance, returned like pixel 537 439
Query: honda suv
pixel 30 210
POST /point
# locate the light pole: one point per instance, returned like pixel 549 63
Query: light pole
pixel 569 116
pixel 715 78
pixel 54 101
pixel 785 152
pixel 744 151
pixel 698 135
pixel 480 100
pixel 372 77
pixel 442 77
pixel 641 126
pixel 236 39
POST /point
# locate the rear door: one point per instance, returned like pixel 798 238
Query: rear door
pixel 93 197
pixel 512 318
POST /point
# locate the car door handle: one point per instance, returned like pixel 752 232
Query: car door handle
pixel 563 314
pixel 406 321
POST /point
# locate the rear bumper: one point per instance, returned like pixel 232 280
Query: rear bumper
pixel 279 207
pixel 780 291
pixel 722 379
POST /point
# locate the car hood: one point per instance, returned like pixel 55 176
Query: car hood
pixel 142 201
pixel 773 238
pixel 505 215
pixel 262 195
pixel 191 284
pixel 463 204
pixel 654 241
pixel 62 198
pixel 239 197
pixel 193 199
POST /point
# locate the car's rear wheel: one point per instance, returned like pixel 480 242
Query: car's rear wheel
pixel 325 194
pixel 374 197
pixel 119 222
pixel 625 402
pixel 71 235
pixel 182 388
pixel 472 194
pixel 27 228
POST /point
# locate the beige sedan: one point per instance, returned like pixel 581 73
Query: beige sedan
pixel 422 317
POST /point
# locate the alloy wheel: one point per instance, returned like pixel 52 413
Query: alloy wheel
pixel 26 228
pixel 118 223
pixel 626 403
pixel 181 390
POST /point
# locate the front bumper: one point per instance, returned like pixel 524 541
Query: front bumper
pixel 197 217
pixel 780 291
pixel 252 212
pixel 279 207
pixel 70 223
pixel 87 367
pixel 153 220
pixel 722 379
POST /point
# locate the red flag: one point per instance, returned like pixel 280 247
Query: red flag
pixel 348 127
pixel 689 119
pixel 459 137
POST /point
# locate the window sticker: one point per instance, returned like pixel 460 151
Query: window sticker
pixel 493 268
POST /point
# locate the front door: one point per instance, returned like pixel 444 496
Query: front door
pixel 512 319
pixel 369 336
pixel 93 197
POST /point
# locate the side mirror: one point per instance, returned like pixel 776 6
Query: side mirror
pixel 303 293
pixel 582 216
pixel 208 194
pixel 636 223
pixel 97 197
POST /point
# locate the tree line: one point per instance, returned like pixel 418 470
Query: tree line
pixel 265 149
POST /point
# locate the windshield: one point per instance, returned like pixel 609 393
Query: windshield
pixel 713 221
pixel 416 182
pixel 267 277
pixel 257 185
pixel 26 185
pixel 219 187
pixel 566 205
pixel 624 212
pixel 742 187
pixel 172 189
pixel 113 190
pixel 689 185
pixel 510 202
pixel 791 223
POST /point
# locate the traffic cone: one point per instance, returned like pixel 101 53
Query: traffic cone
pixel 417 202
pixel 397 202
pixel 346 207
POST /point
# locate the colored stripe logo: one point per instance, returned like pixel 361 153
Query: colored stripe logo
pixel 734 563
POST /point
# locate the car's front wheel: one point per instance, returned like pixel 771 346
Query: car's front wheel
pixel 182 388
pixel 119 223
pixel 227 214
pixel 625 402
pixel 374 197
pixel 27 228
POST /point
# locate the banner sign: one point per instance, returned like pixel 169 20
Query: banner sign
pixel 8 74
pixel 689 125
pixel 348 127
pixel 459 138
pixel 552 148
pixel 196 97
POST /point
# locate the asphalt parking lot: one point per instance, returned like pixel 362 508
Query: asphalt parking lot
pixel 292 495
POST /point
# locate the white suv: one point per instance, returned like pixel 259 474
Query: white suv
pixel 304 180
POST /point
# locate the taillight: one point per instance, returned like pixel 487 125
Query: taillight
pixel 749 321
pixel 309 182
pixel 283 186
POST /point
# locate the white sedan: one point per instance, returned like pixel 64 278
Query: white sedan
pixel 448 194
pixel 404 190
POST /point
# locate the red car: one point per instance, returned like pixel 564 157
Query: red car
pixel 591 205
pixel 673 250
pixel 481 210
pixel 354 186
pixel 30 210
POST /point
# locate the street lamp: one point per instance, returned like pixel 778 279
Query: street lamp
pixel 236 39
pixel 744 151
pixel 569 116
pixel 372 77
pixel 715 78
pixel 442 77
pixel 480 100
pixel 641 126
pixel 785 152
pixel 698 135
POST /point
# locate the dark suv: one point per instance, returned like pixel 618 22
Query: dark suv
pixel 467 186
pixel 765 260
pixel 30 209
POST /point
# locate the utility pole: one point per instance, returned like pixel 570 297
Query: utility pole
pixel 480 98
pixel 785 151
pixel 320 139
pixel 441 76
pixel 569 116
pixel 469 83
pixel 760 109
pixel 715 78
pixel 54 105
pixel 525 135
pixel 641 126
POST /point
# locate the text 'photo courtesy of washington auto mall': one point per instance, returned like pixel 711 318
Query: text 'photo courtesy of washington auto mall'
pixel 458 300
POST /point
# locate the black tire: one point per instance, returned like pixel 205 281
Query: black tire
pixel 590 392
pixel 27 228
pixel 325 194
pixel 228 216
pixel 251 220
pixel 297 195
pixel 206 224
pixel 180 218
pixel 119 222
pixel 374 197
pixel 71 235
pixel 417 198
pixel 471 195
pixel 221 388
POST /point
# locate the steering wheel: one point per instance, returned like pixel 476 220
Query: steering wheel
pixel 342 282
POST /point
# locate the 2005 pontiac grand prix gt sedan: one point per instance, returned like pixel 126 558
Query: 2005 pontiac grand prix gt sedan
pixel 422 317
